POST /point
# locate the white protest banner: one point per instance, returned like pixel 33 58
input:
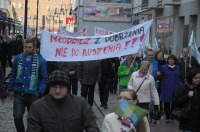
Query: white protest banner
pixel 63 31
pixel 56 47
pixel 100 31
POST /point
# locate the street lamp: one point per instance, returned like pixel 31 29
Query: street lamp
pixel 51 15
pixel 33 17
pixel 66 10
pixel 57 13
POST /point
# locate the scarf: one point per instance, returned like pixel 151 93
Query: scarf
pixel 127 125
pixel 34 71
pixel 171 66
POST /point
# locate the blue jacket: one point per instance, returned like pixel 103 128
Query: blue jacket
pixel 155 64
pixel 170 82
pixel 26 74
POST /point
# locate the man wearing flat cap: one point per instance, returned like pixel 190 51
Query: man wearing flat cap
pixel 59 111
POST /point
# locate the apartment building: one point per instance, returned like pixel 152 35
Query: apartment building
pixel 51 13
pixel 174 20
pixel 6 22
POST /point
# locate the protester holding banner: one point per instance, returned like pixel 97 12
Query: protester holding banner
pixel 106 82
pixel 115 123
pixel 71 68
pixel 89 73
pixel 126 68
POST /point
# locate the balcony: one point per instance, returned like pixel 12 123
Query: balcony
pixel 169 2
pixel 147 4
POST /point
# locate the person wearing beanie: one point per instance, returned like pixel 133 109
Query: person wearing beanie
pixel 59 111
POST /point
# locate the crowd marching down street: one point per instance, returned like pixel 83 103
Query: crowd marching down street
pixel 54 87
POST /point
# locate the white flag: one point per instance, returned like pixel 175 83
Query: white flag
pixel 193 48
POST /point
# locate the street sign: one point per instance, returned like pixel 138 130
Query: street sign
pixel 70 20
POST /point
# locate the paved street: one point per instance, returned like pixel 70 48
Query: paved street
pixel 7 123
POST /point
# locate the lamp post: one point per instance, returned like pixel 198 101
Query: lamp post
pixel 51 15
pixel 37 18
pixel 57 13
pixel 66 10
pixel 32 16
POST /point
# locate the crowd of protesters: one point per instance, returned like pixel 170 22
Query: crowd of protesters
pixel 155 80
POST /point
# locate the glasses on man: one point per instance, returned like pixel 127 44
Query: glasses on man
pixel 126 98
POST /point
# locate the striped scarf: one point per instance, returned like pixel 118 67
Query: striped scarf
pixel 34 71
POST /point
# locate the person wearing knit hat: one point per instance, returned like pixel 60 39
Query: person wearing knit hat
pixel 59 111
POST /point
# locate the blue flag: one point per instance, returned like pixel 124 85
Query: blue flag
pixel 131 111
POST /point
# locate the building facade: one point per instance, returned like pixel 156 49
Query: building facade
pixel 112 15
pixel 51 13
pixel 6 22
pixel 174 20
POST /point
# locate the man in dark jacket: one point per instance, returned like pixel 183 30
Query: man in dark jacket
pixel 60 111
pixel 3 53
pixel 185 64
pixel 18 47
pixel 3 90
pixel 107 81
pixel 71 68
pixel 11 45
pixel 89 73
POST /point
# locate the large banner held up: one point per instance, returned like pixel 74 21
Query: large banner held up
pixel 55 47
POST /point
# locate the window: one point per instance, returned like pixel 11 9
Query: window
pixel 48 21
pixel 38 20
pixel 21 19
pixel 61 21
pixel 13 5
pixel 29 6
pixel 28 20
pixel 145 2
pixel 21 6
pixel 39 7
pixel 48 8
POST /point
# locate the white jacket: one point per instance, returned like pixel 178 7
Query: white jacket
pixel 111 123
pixel 146 90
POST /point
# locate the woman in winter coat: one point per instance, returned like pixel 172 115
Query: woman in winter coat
pixel 113 123
pixel 170 84
pixel 190 91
